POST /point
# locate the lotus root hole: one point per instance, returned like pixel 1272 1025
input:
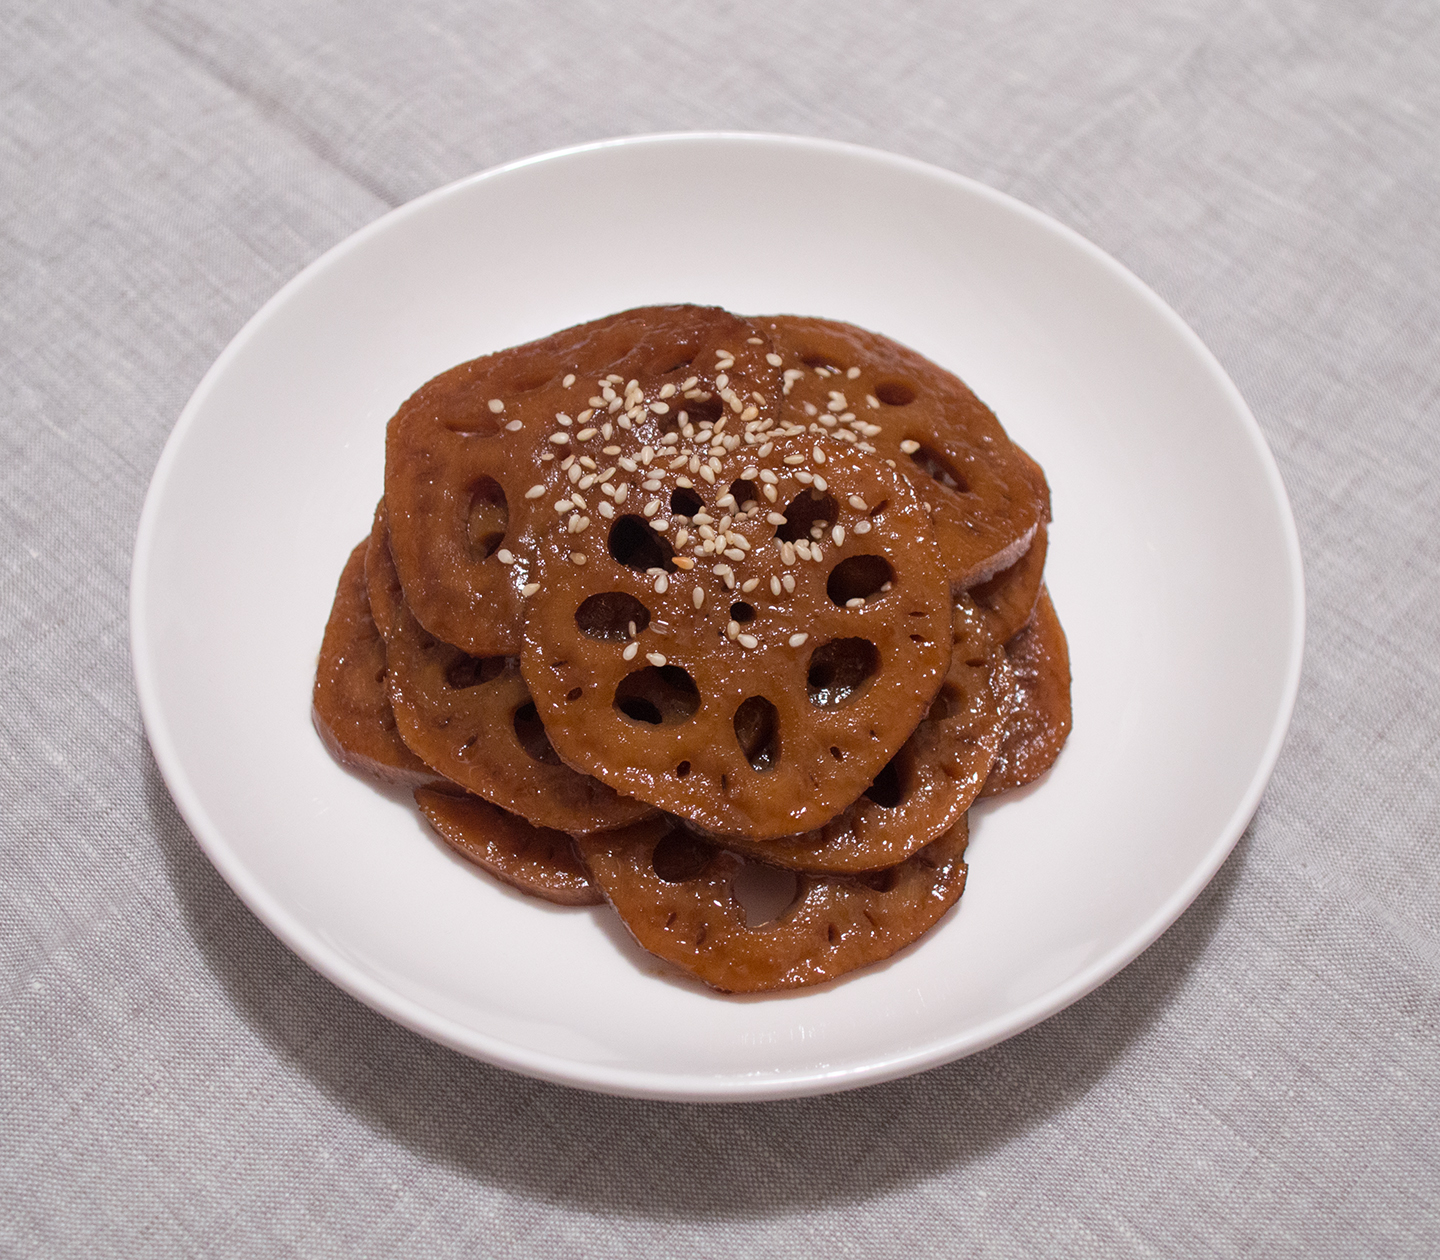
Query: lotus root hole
pixel 530 731
pixel 887 790
pixel 685 502
pixel 612 616
pixel 839 669
pixel 814 359
pixel 699 410
pixel 806 510
pixel 574 694
pixel 635 545
pixel 682 769
pixel 472 671
pixel 679 857
pixel 757 727
pixel 660 695
pixel 487 518
pixel 859 577
pixel 940 469
pixel 742 612
pixel 763 892
pixel 895 393
pixel 836 753
pixel 746 495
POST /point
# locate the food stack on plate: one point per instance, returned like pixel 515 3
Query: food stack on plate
pixel 677 598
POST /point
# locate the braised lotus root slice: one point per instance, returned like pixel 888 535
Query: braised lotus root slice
pixel 480 459
pixel 536 860
pixel 756 689
pixel 676 894
pixel 472 719
pixel 351 703
pixel 1040 724
pixel 988 495
pixel 1009 599
pixel 928 785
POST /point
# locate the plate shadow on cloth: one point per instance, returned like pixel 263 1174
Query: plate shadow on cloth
pixel 661 1160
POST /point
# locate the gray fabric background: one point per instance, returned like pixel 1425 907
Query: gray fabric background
pixel 1263 1081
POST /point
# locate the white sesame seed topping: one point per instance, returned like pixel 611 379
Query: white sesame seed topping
pixel 804 478
pixel 659 525
pixel 858 503
pixel 794 460
pixel 774 360
pixel 535 492
pixel 529 589
pixel 630 652
pixel 748 641
pixel 798 640
pixel 563 505
pixel 577 557
pixel 606 510
pixel 655 658
pixel 560 438
pixel 622 492
pixel 568 381
pixel 651 508
pixel 838 534
pixel 573 472
pixel 857 602
pixel 497 405
pixel 819 454
pixel 504 556
pixel 732 629
pixel 662 584
pixel 514 426
pixel 787 553
pixel 909 446
pixel 585 435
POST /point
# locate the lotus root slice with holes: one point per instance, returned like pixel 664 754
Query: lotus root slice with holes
pixel 1040 724
pixel 351 703
pixel 534 860
pixel 676 895
pixel 758 690
pixel 930 783
pixel 472 719
pixel 463 453
pixel 988 495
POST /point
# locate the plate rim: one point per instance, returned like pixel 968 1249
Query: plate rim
pixel 694 1087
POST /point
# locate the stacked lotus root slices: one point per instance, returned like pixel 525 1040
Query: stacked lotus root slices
pixel 675 592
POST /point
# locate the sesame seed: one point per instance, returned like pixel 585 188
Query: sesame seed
pixel 733 553
pixel 504 556
pixel 662 584
pixel 577 557
pixel 585 435
pixel 774 360
pixel 560 438
pixel 748 641
pixel 655 658
pixel 578 524
pixel 765 449
pixel 562 419
pixel 573 472
pixel 496 405
pixel 819 455
pixel 707 474
pixel 794 460
pixel 651 508
pixel 585 415
pixel 804 478
pixel 562 505
pixel 683 562
pixel 587 481
pixel 647 455
pixel 606 510
pixel 514 426
pixel 660 408
pixel 529 589
pixel 721 381
pixel 838 534
pixel 630 652
pixel 659 526
pixel 627 463
pixel 857 602
pixel 858 503
pixel 689 383
pixel 750 413
pixel 787 580
pixel 798 640
pixel 568 381
pixel 802 547
pixel 787 553
pixel 732 629
pixel 774 518
pixel 811 409
pixel 535 492
pixel 622 492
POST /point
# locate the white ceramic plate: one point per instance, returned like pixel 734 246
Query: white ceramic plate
pixel 1173 564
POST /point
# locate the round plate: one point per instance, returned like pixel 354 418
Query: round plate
pixel 1174 566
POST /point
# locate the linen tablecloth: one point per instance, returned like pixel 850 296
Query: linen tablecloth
pixel 1265 1080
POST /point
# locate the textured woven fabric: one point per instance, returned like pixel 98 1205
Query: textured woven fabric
pixel 1265 1080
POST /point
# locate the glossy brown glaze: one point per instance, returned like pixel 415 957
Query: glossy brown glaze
pixel 350 702
pixel 1040 724
pixel 930 782
pixel 536 860
pixel 988 496
pixel 1008 600
pixel 774 724
pixel 472 719
pixel 691 916
pixel 464 450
